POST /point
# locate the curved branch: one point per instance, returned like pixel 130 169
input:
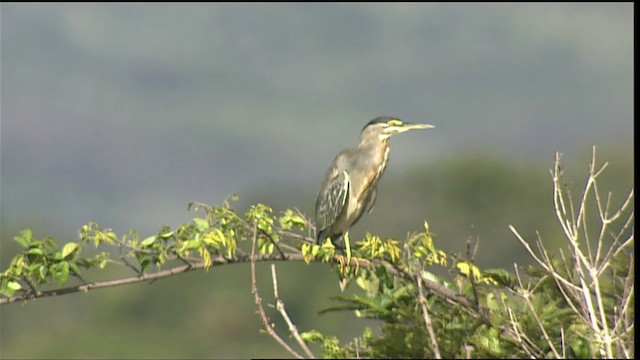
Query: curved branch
pixel 438 289
pixel 219 261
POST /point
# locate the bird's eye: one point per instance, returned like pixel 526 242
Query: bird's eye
pixel 394 122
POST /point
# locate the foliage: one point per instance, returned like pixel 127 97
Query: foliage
pixel 577 303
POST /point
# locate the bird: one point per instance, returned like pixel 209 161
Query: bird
pixel 350 184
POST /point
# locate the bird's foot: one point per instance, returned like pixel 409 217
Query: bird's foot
pixel 347 266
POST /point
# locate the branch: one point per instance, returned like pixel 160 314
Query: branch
pixel 440 290
pixel 581 284
pixel 527 300
pixel 280 307
pixel 219 261
pixel 427 320
pixel 254 290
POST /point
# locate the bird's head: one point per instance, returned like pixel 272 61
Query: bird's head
pixel 384 127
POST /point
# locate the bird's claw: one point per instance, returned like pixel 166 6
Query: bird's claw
pixel 345 265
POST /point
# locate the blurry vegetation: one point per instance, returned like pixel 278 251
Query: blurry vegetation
pixel 433 295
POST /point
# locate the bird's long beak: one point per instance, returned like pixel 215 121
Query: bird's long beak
pixel 406 126
pixel 412 126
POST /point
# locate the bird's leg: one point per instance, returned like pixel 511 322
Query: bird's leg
pixel 344 269
pixel 348 246
pixel 348 250
pixel 345 266
pixel 345 247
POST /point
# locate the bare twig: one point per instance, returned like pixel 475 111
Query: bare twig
pixel 280 307
pixel 581 283
pixel 523 341
pixel 263 316
pixel 472 276
pixel 527 300
pixel 427 320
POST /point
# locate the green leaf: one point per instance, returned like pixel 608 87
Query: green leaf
pixel 73 267
pixel 307 252
pixel 206 256
pixel 289 219
pixel 68 249
pixel 61 272
pixel 42 272
pixel 501 276
pixel 231 247
pixel 464 267
pixel 492 304
pixel 24 238
pixel 10 288
pixel 214 238
pixel 35 251
pixel 201 223
pixel 361 282
pixel 109 236
pixel 311 336
pixel 14 285
pixel 193 244
pixel 148 241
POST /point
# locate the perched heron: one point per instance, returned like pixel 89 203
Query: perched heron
pixel 349 186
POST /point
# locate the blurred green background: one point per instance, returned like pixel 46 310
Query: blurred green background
pixel 124 113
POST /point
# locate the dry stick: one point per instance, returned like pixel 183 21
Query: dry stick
pixel 258 300
pixel 525 297
pixel 472 275
pixel 280 307
pixel 523 341
pixel 427 319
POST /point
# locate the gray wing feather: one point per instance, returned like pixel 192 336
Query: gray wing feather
pixel 331 200
pixel 371 200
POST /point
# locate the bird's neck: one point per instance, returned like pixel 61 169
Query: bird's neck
pixel 374 143
pixel 377 153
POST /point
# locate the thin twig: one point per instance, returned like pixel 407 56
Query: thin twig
pixel 472 275
pixel 254 289
pixel 427 320
pixel 280 307
pixel 527 300
pixel 582 286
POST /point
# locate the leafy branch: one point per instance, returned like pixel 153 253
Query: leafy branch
pixel 580 304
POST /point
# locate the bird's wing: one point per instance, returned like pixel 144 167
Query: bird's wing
pixel 331 199
pixel 368 205
pixel 371 200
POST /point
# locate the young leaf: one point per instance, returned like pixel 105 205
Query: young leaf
pixel 201 223
pixel 14 285
pixel 148 241
pixel 24 238
pixel 69 248
pixel 61 272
